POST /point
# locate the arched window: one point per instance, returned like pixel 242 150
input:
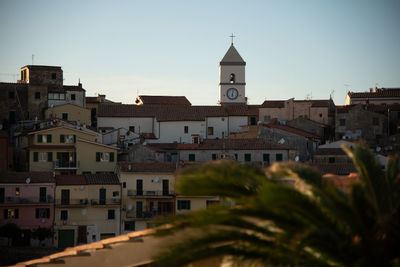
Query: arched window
pixel 232 78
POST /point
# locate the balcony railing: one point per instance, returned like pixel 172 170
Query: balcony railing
pixel 27 200
pixel 150 193
pixel 108 201
pixel 72 202
pixel 64 165
pixel 147 215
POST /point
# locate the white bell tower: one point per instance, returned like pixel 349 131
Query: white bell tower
pixel 232 81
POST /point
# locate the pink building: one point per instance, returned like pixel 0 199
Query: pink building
pixel 27 199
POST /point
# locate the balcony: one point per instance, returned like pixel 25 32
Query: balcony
pixel 65 165
pixel 44 200
pixel 146 215
pixel 102 202
pixel 79 202
pixel 151 193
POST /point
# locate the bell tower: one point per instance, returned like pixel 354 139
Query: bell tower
pixel 232 81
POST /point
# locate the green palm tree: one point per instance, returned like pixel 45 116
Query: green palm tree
pixel 262 222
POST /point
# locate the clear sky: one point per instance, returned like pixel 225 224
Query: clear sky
pixel 122 48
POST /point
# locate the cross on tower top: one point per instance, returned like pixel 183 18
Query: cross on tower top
pixel 232 36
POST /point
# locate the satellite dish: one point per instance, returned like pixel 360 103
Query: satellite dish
pixel 282 141
pixel 129 207
pixel 84 212
pixel 296 158
pixel 28 180
pixel 81 187
pixel 378 149
pixel 156 179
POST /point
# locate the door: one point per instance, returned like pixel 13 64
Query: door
pixel 139 209
pixel 82 234
pixel 66 238
pixel 102 198
pixel 139 187
pixel 2 195
pixel 165 187
pixel 165 208
pixel 42 197
pixel 65 196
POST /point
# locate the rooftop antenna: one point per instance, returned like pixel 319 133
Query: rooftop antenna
pixel 347 87
pixel 331 94
pixel 232 36
pixel 33 58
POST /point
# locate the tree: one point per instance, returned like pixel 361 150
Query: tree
pixel 11 231
pixel 274 224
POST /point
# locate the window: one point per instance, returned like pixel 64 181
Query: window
pixel 342 122
pixel 35 156
pixel 64 196
pixel 279 157
pixel 111 214
pixel 186 129
pixel 129 226
pixel 43 156
pixel 195 139
pixel 214 156
pixel 73 96
pixel 56 96
pixel 49 156
pixel 11 116
pixel 124 185
pixel 210 130
pixel 115 193
pixel 42 213
pixel 68 139
pixel 11 95
pixel 46 138
pixel 132 129
pixel 86 172
pixel 105 156
pixel 54 76
pixel 64 215
pixel 236 156
pixel 375 121
pixel 247 157
pixel 10 213
pixel 320 115
pixel 331 159
pixel 232 78
pixel 65 116
pixel 253 121
pixel 183 204
pixel 192 157
pixel 17 192
pixel 210 203
pixel 266 157
pixel 37 95
pixel 267 118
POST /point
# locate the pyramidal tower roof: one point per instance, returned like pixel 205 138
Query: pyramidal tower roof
pixel 232 57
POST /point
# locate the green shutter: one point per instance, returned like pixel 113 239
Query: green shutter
pixel 35 156
pixel 74 138
pixel 49 156
pixel 112 156
pixel 49 138
pixel 98 156
pixel 40 138
pixel 188 204
pixel 59 156
pixel 62 138
pixel 179 204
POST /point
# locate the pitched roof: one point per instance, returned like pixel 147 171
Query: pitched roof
pixel 377 93
pixel 176 113
pixel 292 130
pixel 20 177
pixel 86 179
pixel 330 151
pixel 335 168
pixel 163 100
pixel 73 88
pixel 235 144
pixel 232 57
pixel 163 167
pixel 273 104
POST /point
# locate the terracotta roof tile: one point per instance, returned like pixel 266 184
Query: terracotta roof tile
pixel 102 178
pixel 20 177
pixel 70 179
pixel 235 144
pixel 292 130
pixel 330 151
pixel 273 104
pixel 164 100
pixel 162 167
pixel 73 88
pixel 335 168
pixel 379 93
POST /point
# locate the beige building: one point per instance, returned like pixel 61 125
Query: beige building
pixel 68 150
pixel 377 96
pixel 69 112
pixel 87 208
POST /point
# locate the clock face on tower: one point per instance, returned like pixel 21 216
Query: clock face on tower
pixel 232 93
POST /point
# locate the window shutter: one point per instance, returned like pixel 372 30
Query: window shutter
pixel 74 138
pixel 48 213
pixel 49 156
pixel 16 214
pixel 112 156
pixel 49 138
pixel 35 156
pixel 5 213
pixel 40 138
pixel 59 156
pixel 37 213
pixel 179 204
pixel 188 204
pixel 62 138
pixel 98 156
